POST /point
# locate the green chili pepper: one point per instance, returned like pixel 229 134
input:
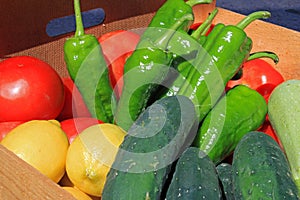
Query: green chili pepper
pixel 144 70
pixel 169 13
pixel 149 64
pixel 186 50
pixel 88 69
pixel 223 53
pixel 238 112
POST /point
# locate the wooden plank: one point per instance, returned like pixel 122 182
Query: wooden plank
pixel 20 181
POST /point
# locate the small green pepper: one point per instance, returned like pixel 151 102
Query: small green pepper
pixel 149 64
pixel 169 13
pixel 224 51
pixel 88 69
pixel 238 112
pixel 144 70
pixel 186 51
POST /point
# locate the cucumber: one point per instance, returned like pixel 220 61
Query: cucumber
pixel 261 170
pixel 156 139
pixel 195 177
pixel 224 171
pixel 241 110
pixel 284 116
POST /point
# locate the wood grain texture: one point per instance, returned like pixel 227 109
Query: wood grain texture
pixel 20 181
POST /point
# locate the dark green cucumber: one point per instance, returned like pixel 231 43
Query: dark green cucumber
pixel 152 144
pixel 261 170
pixel 241 110
pixel 195 177
pixel 224 171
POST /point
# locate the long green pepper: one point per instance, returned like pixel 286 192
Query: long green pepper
pixel 88 69
pixel 149 64
pixel 186 50
pixel 225 49
pixel 168 14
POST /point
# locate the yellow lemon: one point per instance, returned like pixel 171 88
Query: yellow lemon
pixel 78 194
pixel 91 155
pixel 42 144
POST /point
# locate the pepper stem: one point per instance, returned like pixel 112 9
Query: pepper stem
pixel 253 16
pixel 79 25
pixel 264 54
pixel 164 40
pixel 195 2
pixel 204 27
pixel 256 55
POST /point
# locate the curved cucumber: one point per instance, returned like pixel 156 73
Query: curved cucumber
pixel 195 177
pixel 152 144
pixel 241 110
pixel 284 116
pixel 261 170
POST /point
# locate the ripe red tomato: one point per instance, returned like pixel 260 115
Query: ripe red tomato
pixel 196 25
pixel 260 76
pixel 6 127
pixel 72 127
pixel 29 89
pixel 74 105
pixel 267 129
pixel 117 46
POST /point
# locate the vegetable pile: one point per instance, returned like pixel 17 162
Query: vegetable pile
pixel 204 116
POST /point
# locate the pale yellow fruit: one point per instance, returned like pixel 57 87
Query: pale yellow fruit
pixel 91 155
pixel 77 194
pixel 42 144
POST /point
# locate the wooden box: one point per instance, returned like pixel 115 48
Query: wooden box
pixel 18 180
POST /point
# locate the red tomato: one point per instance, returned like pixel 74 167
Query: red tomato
pixel 267 129
pixel 29 89
pixel 74 105
pixel 6 127
pixel 260 76
pixel 72 127
pixel 196 25
pixel 117 46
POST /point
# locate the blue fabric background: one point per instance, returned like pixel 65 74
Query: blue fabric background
pixel 285 13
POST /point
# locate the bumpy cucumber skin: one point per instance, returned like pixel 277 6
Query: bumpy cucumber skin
pixel 224 171
pixel 165 129
pixel 195 177
pixel 284 115
pixel 240 111
pixel 261 170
